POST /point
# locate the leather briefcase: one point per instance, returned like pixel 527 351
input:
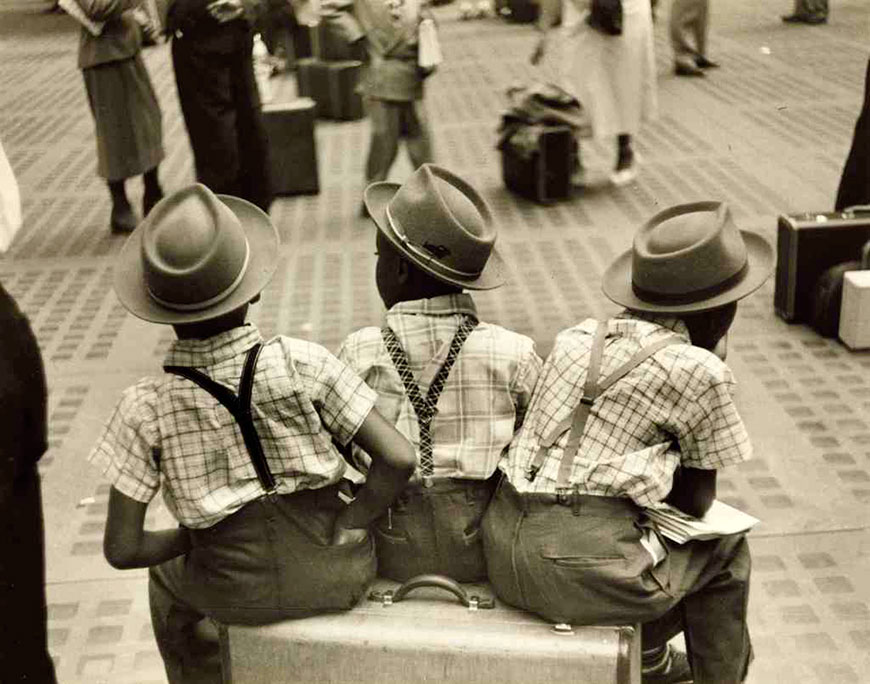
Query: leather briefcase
pixel 808 245
pixel 292 149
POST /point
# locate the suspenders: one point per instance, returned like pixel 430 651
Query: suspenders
pixel 240 408
pixel 593 388
pixel 426 407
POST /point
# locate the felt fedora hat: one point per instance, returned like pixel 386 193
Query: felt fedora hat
pixel 686 259
pixel 441 224
pixel 195 257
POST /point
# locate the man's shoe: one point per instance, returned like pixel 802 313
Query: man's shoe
pixel 676 671
pixel 704 63
pixel 123 220
pixel 805 19
pixel 687 69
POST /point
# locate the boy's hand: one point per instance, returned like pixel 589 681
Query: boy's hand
pixel 348 535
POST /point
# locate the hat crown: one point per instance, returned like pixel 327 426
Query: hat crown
pixel 687 253
pixel 443 222
pixel 194 250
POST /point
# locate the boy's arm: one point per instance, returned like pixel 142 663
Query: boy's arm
pixel 393 462
pixel 693 491
pixel 127 545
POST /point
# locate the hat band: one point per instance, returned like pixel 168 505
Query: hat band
pixel 423 254
pixel 691 297
pixel 219 297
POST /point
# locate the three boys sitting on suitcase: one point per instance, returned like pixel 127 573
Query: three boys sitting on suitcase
pixel 565 535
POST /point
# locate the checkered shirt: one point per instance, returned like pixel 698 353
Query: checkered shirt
pixel 303 397
pixel 486 394
pixel 675 408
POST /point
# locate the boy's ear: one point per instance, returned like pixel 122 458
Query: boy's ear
pixel 403 271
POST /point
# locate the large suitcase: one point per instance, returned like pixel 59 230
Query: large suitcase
pixel 292 148
pixel 538 161
pixel 333 86
pixel 806 246
pixel 429 637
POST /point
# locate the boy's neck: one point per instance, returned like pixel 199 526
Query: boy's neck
pixel 215 326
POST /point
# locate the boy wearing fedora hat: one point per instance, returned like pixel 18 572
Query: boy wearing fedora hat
pixel 456 386
pixel 627 413
pixel 238 433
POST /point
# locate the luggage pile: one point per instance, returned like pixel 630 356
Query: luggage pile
pixel 538 141
pixel 331 75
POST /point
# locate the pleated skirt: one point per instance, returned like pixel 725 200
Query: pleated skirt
pixel 127 118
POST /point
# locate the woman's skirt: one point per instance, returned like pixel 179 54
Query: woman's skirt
pixel 127 118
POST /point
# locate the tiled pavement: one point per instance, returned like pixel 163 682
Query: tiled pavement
pixel 768 132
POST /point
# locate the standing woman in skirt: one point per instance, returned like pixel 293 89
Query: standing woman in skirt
pixel 125 109
pixel 613 76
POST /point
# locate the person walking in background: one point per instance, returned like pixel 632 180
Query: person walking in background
pixel 212 46
pixel 24 654
pixel 808 12
pixel 393 82
pixel 613 76
pixel 122 100
pixel 855 182
pixel 688 29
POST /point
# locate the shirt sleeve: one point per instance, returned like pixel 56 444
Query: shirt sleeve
pixel 710 431
pixel 342 398
pixel 124 450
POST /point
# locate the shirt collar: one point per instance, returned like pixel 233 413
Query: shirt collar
pixel 212 350
pixel 442 305
pixel 638 324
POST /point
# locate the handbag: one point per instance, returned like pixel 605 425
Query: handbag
pixel 429 53
pixel 606 16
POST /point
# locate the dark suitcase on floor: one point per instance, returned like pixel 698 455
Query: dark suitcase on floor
pixel 429 637
pixel 333 86
pixel 808 245
pixel 518 11
pixel 292 149
pixel 537 162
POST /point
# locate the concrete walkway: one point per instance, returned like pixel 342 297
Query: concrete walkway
pixel 768 133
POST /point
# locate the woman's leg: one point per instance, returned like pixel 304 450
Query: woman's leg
pixel 624 153
pixel 123 218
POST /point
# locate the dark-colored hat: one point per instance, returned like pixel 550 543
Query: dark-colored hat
pixel 689 258
pixel 441 224
pixel 196 256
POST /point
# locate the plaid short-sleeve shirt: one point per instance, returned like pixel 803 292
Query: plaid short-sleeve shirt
pixel 168 432
pixel 486 394
pixel 675 408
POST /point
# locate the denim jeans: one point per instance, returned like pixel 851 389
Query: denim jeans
pixel 584 564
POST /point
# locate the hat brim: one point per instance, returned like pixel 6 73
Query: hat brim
pixel 616 283
pixel 378 195
pixel 262 261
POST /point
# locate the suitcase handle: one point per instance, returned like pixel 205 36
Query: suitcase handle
pixel 473 602
pixel 857 209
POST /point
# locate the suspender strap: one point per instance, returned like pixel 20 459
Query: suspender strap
pixel 425 408
pixel 592 390
pixel 240 408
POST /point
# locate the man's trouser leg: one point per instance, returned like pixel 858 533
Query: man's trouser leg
pixel 384 144
pixel 415 130
pixel 812 8
pixel 205 93
pixel 253 148
pixel 688 24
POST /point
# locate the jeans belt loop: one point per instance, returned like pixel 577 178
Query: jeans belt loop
pixel 575 500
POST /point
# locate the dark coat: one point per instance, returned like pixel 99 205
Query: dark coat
pixel 855 181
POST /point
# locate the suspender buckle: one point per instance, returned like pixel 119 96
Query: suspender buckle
pixel 587 400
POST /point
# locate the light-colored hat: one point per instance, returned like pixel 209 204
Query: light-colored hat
pixel 441 224
pixel 195 257
pixel 689 258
